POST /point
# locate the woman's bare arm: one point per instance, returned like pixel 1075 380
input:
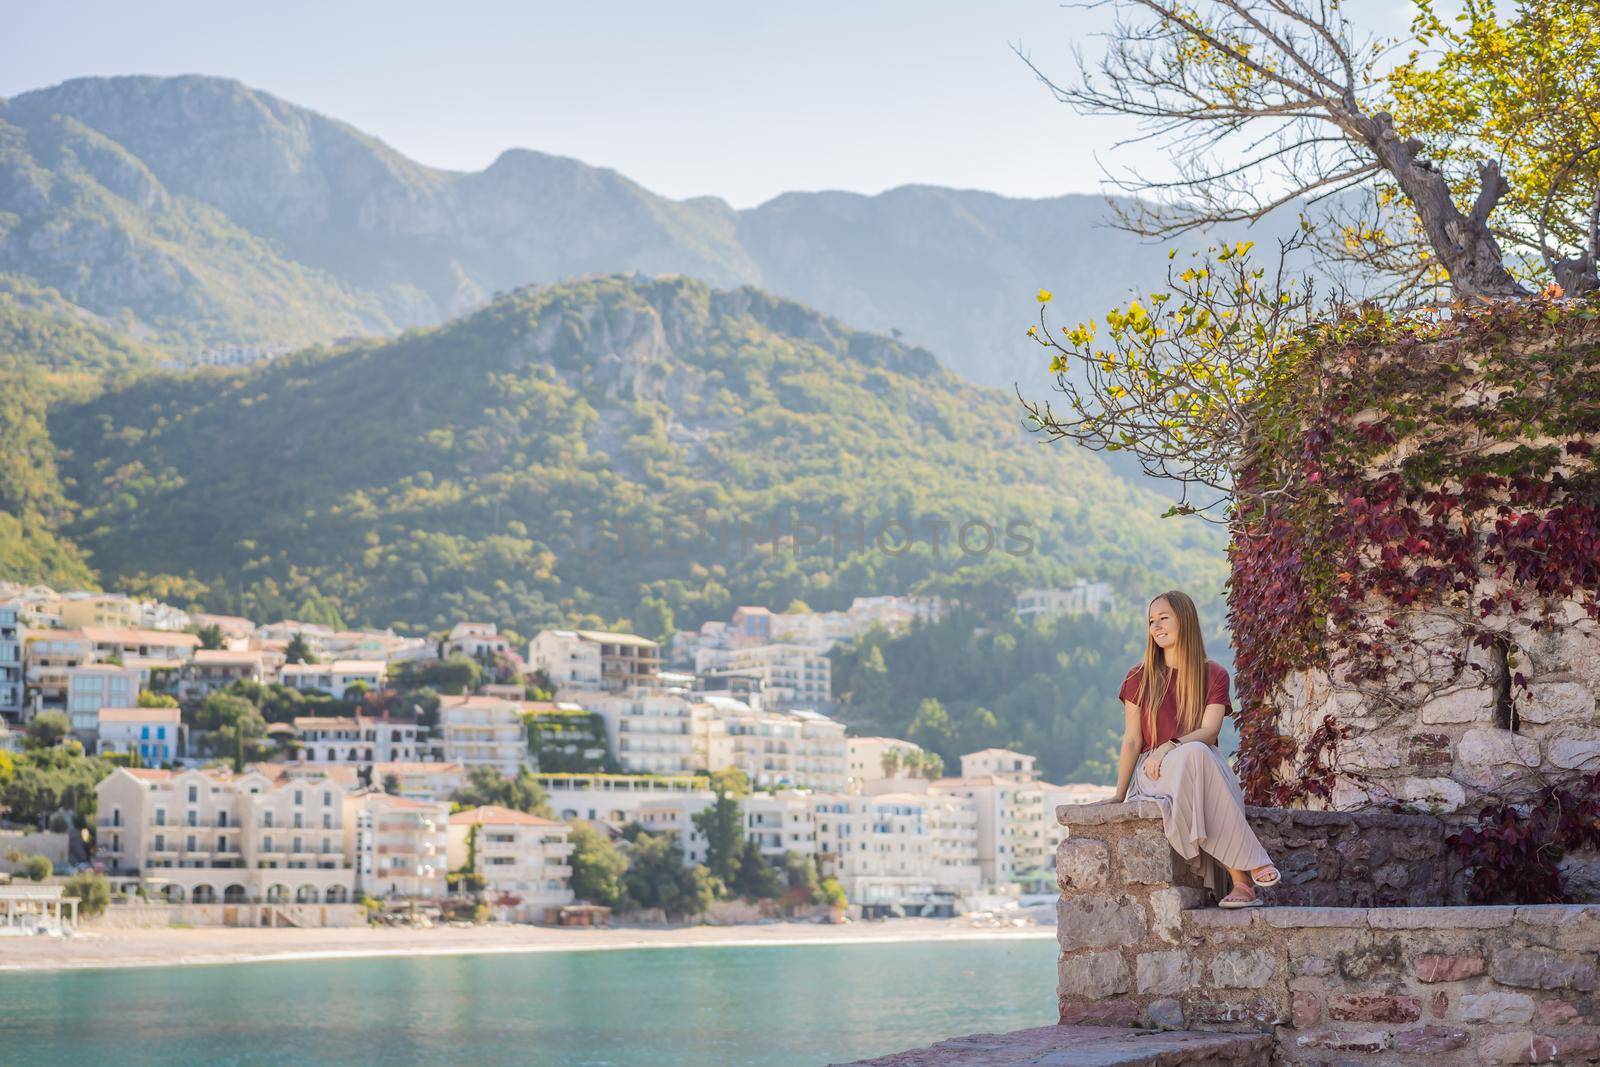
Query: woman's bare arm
pixel 1132 741
pixel 1210 727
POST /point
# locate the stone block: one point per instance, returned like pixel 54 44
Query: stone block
pixel 1305 1008
pixel 1165 1012
pixel 1494 1007
pixel 1072 815
pixel 1345 1040
pixel 1374 1008
pixel 1243 969
pixel 1580 875
pixel 1082 863
pixel 1460 705
pixel 1371 752
pixel 1574 748
pixel 1116 1011
pixel 1167 907
pixel 1443 967
pixel 1548 702
pixel 1092 975
pixel 1475 917
pixel 1430 1039
pixel 1257 1010
pixel 1097 920
pixel 1489 758
pixel 1428 752
pixel 1556 1012
pixel 1166 972
pixel 1444 794
pixel 1517 1046
pixel 1535 968
pixel 1310 966
pixel 1147 857
pixel 1287 918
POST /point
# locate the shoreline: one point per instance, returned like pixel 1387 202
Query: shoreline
pixel 102 948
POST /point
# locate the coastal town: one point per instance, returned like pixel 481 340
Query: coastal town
pixel 291 775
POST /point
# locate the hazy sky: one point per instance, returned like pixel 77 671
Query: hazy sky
pixel 740 100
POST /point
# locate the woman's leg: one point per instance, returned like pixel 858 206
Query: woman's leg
pixel 1208 810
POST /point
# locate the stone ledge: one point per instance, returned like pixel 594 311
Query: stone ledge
pixel 1100 814
pixel 1465 917
pixel 1084 1046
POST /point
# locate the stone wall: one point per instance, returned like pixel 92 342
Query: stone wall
pixel 146 915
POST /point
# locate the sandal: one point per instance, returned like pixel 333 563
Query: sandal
pixel 1240 896
pixel 1265 882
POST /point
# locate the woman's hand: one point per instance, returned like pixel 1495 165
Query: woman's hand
pixel 1152 765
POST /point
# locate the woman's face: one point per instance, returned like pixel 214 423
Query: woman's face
pixel 1163 624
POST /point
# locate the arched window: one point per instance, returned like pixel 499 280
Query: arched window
pixel 234 894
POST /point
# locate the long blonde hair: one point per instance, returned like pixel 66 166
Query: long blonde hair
pixel 1190 676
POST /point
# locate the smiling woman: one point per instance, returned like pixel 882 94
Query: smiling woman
pixel 1174 703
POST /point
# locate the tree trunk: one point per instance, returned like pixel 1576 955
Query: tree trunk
pixel 1463 243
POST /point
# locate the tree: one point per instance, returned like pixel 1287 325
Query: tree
pixel 485 785
pixel 211 636
pixel 890 762
pixel 931 728
pixel 91 889
pixel 722 824
pixel 37 868
pixel 800 872
pixel 299 650
pixel 148 699
pixel 657 877
pixel 391 784
pixel 1309 108
pixel 48 729
pixel 756 878
pixel 233 727
pixel 597 867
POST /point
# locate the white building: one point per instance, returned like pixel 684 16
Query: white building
pixel 1082 598
pixel 1032 830
pixel 211 836
pixel 998 761
pixel 356 739
pixel 675 815
pixel 592 659
pixel 773 749
pixel 477 640
pixel 905 849
pixel 650 730
pixel 789 675
pixel 400 846
pixel 864 758
pixel 12 637
pixel 480 731
pixel 212 670
pixel 524 859
pixel 421 781
pixel 780 821
pixel 614 798
pixel 333 678
pixel 154 733
pixel 98 685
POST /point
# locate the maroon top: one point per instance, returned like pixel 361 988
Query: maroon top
pixel 1167 713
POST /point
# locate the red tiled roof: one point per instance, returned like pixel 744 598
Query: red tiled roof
pixel 495 814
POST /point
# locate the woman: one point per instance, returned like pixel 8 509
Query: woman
pixel 1173 705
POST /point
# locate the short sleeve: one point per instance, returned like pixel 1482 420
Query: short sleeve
pixel 1217 688
pixel 1130 686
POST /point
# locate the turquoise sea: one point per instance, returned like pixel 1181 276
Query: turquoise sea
pixel 773 1006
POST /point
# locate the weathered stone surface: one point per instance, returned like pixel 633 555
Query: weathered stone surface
pixel 1098 920
pixel 1084 1046
pixel 1345 1040
pixel 1440 967
pixel 1256 1009
pixel 1082 863
pixel 1305 1009
pixel 1494 1007
pixel 1533 968
pixel 1460 705
pixel 1247 969
pixel 1370 753
pixel 1557 702
pixel 1430 1039
pixel 1574 748
pixel 1114 1011
pixel 1445 794
pixel 1284 918
pixel 1380 960
pixel 1310 966
pixel 1428 752
pixel 1476 917
pixel 1169 972
pixel 1167 907
pixel 1147 857
pixel 1580 875
pixel 1556 1012
pixel 1374 1008
pixel 1518 1046
pixel 1092 975
pixel 1488 758
pixel 1165 1012
pixel 1074 815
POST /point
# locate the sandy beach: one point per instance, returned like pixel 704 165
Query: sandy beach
pixel 95 947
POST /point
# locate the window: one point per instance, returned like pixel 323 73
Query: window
pixel 299 797
pixel 327 820
pixel 266 843
pixel 297 821
pixel 189 843
pixel 266 818
pixel 161 816
pixel 161 843
pixel 222 818
pixel 194 817
pixel 327 797
pixel 194 794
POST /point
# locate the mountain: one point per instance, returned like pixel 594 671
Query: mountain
pixel 614 450
pixel 206 212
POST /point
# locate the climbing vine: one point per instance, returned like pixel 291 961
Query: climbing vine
pixel 1404 479
pixel 1515 855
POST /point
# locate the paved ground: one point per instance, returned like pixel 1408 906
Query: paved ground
pixel 1086 1046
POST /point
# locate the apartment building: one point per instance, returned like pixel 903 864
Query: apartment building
pixel 780 821
pixel 523 858
pixel 591 659
pixel 47 656
pixel 357 739
pixel 118 612
pixel 998 761
pixel 789 675
pixel 419 781
pixel 12 637
pixel 211 836
pixel 479 731
pixel 400 846
pixel 334 678
pixel 154 734
pixel 614 798
pixel 477 640
pixel 864 758
pixel 93 686
pixel 1082 598
pixel 1031 827
pixel 212 670
pixel 881 849
pixel 774 749
pixel 109 643
pixel 675 815
pixel 650 730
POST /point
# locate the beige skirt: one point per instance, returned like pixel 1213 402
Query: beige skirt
pixel 1202 811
